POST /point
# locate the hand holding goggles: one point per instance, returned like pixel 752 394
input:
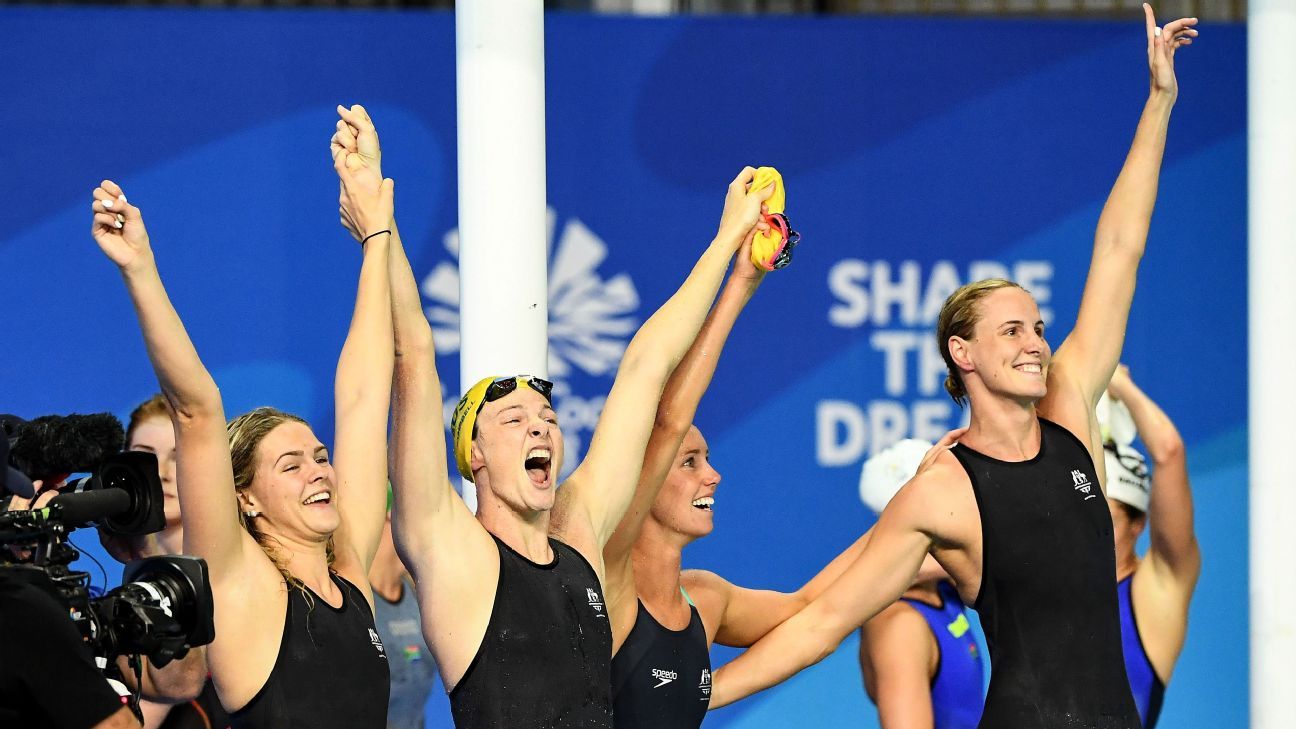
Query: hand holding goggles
pixel 464 421
pixel 784 239
pixel 772 250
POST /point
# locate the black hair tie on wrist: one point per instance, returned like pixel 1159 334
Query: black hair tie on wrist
pixel 374 235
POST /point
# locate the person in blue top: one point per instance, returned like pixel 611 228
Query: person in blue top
pixel 920 659
pixel 1154 590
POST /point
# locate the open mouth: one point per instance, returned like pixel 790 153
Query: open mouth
pixel 1030 368
pixel 705 503
pixel 322 497
pixel 537 465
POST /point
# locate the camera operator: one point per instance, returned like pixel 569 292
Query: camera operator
pixel 47 675
pixel 192 698
pixel 163 607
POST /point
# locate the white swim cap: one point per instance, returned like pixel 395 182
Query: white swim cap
pixel 1115 421
pixel 1127 476
pixel 887 471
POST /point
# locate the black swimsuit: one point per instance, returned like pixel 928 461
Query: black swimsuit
pixel 662 677
pixel 1048 590
pixel 544 662
pixel 331 671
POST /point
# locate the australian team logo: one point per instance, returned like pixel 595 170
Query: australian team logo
pixel 1081 483
pixel 377 642
pixel 704 685
pixel 591 320
pixel 594 601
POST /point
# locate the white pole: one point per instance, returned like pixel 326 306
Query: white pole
pixel 503 307
pixel 1271 149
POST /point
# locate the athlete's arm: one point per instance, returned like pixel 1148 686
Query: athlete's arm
pixel 675 414
pixel 741 616
pixel 245 584
pixel 1174 552
pixel 897 657
pixel 596 495
pixel 906 530
pixel 204 477
pixel 1167 575
pixel 362 385
pixel 451 557
pixel 1086 360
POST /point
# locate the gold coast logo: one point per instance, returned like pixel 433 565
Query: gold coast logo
pixel 594 601
pixel 1080 482
pixel 591 320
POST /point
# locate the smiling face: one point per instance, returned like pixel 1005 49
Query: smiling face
pixel 517 452
pixel 687 498
pixel 292 485
pixel 156 436
pixel 1007 354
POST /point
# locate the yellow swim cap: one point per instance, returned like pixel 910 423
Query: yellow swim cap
pixel 487 389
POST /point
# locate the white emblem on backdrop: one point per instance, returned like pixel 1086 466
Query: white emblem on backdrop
pixel 591 320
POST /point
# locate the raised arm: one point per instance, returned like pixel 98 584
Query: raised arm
pixel 1085 361
pixel 596 496
pixel 675 414
pixel 204 476
pixel 452 558
pixel 907 528
pixel 1174 554
pixel 363 382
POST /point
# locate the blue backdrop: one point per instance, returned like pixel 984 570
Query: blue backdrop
pixel 918 154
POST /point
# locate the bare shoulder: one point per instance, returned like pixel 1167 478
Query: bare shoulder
pixel 937 485
pixel 701 583
pixel 939 502
pixel 899 619
pixel 709 593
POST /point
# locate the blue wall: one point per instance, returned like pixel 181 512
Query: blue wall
pixel 913 149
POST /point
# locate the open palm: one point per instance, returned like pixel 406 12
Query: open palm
pixel 1162 44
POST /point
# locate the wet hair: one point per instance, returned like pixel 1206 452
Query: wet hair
pixel 958 318
pixel 154 408
pixel 245 435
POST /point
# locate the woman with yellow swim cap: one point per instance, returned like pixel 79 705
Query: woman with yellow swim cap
pixel 512 598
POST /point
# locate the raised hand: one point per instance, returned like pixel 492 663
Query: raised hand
pixel 1162 44
pixel 357 136
pixel 357 157
pixel 118 227
pixel 743 206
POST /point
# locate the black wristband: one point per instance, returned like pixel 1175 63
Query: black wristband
pixel 374 235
